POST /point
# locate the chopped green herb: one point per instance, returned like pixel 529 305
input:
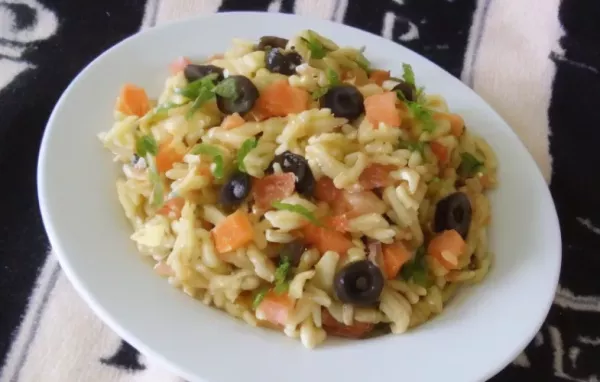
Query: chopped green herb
pixel 333 77
pixel 469 165
pixel 259 296
pixel 156 181
pixel 192 90
pixel 248 145
pixel 146 144
pixel 416 269
pixel 281 275
pixel 435 179
pixel 413 146
pixel 317 50
pixel 320 92
pixel 215 153
pixel 298 209
pixel 362 61
pixel 422 114
pixel 281 288
pixel 409 75
pixel 164 108
pixel 205 95
pixel 227 88
pixel 420 94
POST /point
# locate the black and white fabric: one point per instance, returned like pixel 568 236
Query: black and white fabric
pixel 537 62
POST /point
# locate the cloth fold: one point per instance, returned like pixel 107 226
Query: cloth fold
pixel 502 49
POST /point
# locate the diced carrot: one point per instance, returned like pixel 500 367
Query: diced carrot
pixel 448 241
pixel 272 188
pixel 325 239
pixel 382 108
pixel 440 151
pixel 280 99
pixel 275 308
pixel 375 176
pixel 172 207
pixel 232 233
pixel 378 76
pixel 179 64
pixel 232 121
pixel 167 156
pixel 338 222
pixel 326 191
pixel 395 255
pixel 133 100
pixel 335 328
pixel 457 123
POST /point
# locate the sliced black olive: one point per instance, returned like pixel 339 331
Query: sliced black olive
pixel 359 283
pixel 293 251
pixel 195 72
pixel 279 62
pixel 236 189
pixel 345 101
pixel 408 90
pixel 296 164
pixel 271 42
pixel 246 95
pixel 453 212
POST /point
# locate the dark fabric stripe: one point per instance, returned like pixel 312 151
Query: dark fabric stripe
pixel 36 322
pixel 244 5
pixel 24 109
pixel 287 6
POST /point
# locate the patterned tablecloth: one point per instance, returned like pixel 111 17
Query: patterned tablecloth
pixel 536 62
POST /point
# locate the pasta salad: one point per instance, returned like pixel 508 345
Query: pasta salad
pixel 295 186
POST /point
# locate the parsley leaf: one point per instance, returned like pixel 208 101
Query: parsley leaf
pixel 333 77
pixel 248 145
pixel 204 96
pixel 163 108
pixel 193 89
pixel 469 165
pixel 320 92
pixel 146 144
pixel 258 297
pixel 215 153
pixel 409 75
pixel 158 187
pixel 281 275
pixel 416 269
pixel 421 113
pixel 298 209
pixel 227 88
pixel 317 50
pixel 413 146
pixel 362 61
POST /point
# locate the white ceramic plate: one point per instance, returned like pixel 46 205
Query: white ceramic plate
pixel 479 333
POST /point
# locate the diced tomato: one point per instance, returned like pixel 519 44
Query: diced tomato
pixel 179 64
pixel 275 308
pixel 382 108
pixel 232 233
pixel 167 156
pixel 338 222
pixel 172 207
pixel 379 76
pixel 450 241
pixel 338 329
pixel 133 100
pixel 360 203
pixel 280 99
pixel 272 188
pixel 395 255
pixel 440 151
pixel 326 239
pixel 232 121
pixel 457 123
pixel 326 191
pixel 375 176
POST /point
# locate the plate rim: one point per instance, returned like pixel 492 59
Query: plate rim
pixel 139 343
